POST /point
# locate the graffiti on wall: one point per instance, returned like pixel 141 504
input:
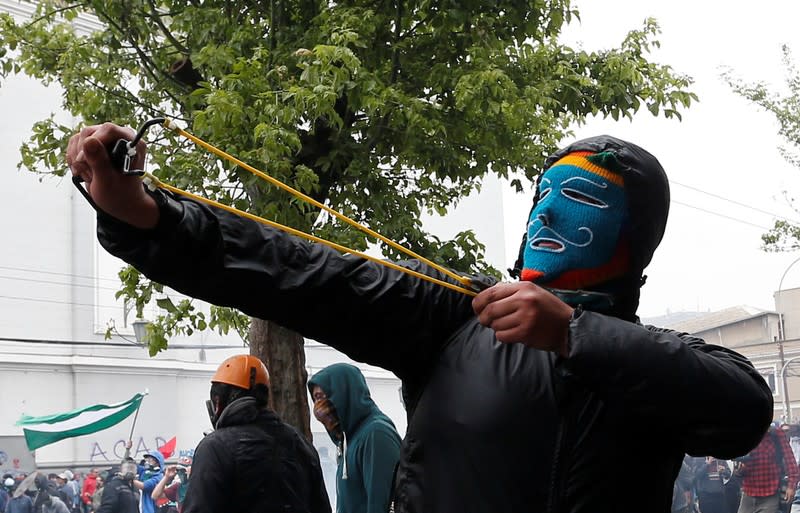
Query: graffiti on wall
pixel 104 452
pixel 116 451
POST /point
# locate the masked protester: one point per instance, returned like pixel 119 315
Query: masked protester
pixel 148 474
pixel 119 493
pixel 530 396
pixel 367 441
pixel 41 495
pixel 50 501
pixel 252 461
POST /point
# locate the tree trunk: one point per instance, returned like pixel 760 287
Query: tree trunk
pixel 282 350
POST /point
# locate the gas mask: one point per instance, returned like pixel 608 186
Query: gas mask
pixel 127 470
pixel 151 463
pixel 212 415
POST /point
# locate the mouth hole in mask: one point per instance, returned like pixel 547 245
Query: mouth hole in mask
pixel 548 244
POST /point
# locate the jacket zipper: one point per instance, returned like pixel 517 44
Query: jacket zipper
pixel 556 495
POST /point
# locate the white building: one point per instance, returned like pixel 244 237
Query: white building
pixel 57 297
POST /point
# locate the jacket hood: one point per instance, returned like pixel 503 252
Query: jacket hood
pixel 241 411
pixel 158 456
pixel 347 390
pixel 647 193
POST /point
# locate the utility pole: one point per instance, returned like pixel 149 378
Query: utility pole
pixel 787 409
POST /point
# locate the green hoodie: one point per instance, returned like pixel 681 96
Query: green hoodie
pixel 371 448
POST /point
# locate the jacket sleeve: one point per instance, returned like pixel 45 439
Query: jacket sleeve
pixel 709 398
pixel 370 312
pixel 379 454
pixel 209 486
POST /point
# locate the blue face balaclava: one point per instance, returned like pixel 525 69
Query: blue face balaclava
pixel 612 285
pixel 575 232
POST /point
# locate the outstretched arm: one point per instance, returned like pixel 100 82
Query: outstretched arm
pixel 373 314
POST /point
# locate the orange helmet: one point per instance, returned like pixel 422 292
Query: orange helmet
pixel 243 371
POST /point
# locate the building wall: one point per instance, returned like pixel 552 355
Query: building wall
pixel 787 302
pixel 48 379
pixel 751 331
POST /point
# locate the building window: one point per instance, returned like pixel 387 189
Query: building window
pixel 768 373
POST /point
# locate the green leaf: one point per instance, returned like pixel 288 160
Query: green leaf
pixel 166 304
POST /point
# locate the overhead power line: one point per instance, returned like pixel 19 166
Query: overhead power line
pixel 739 203
pixel 33 280
pixel 55 273
pixel 57 302
pixel 718 214
pixel 112 344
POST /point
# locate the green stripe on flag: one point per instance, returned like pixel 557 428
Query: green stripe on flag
pixel 41 431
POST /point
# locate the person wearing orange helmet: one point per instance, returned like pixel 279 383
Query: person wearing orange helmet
pixel 252 461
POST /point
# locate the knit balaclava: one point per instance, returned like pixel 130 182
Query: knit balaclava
pixel 646 208
pixel 576 230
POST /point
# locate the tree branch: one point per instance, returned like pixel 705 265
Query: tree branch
pixel 52 13
pixel 129 98
pixel 147 64
pixel 398 20
pixel 164 30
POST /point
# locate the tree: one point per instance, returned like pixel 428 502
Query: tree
pixel 380 109
pixel 785 106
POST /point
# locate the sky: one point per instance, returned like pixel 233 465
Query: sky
pixel 726 147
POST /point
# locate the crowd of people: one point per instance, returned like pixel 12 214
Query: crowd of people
pixel 763 481
pixel 64 492
pixel 129 487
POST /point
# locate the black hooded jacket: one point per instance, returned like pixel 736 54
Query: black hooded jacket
pixel 119 496
pixel 492 427
pixel 254 462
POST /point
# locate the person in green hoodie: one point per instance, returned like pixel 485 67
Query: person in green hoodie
pixel 367 441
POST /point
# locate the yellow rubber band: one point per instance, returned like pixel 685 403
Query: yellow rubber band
pixel 213 149
pixel 154 181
